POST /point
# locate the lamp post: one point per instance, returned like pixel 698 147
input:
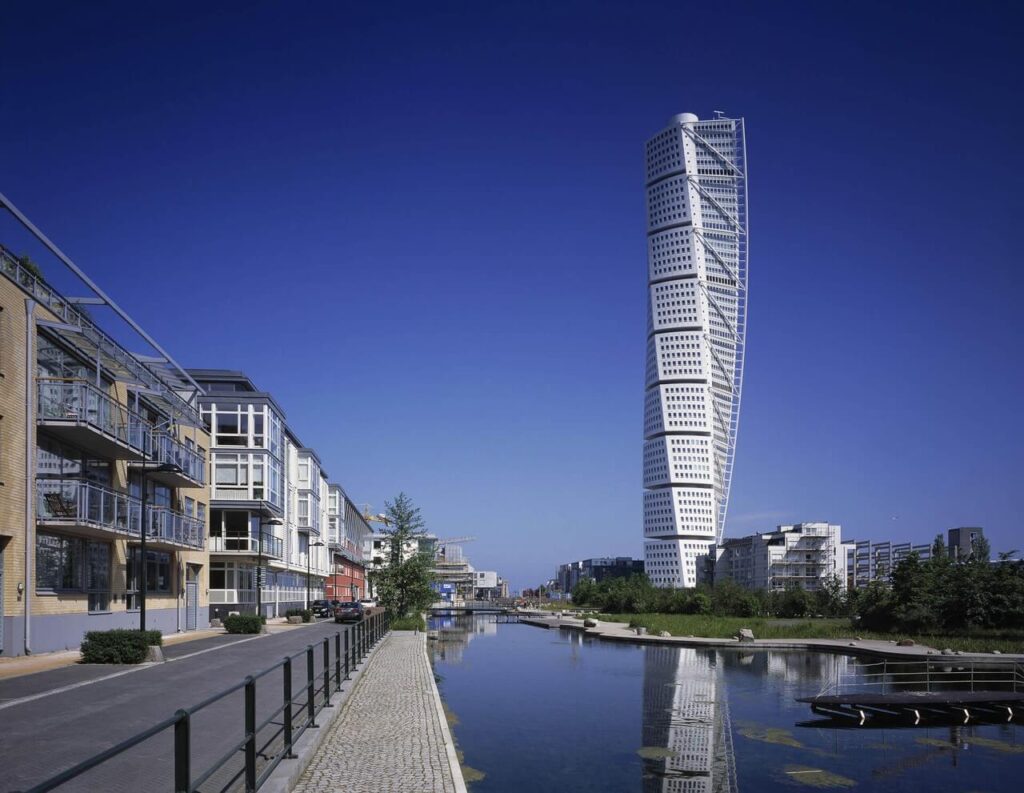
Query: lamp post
pixel 259 561
pixel 309 557
pixel 142 571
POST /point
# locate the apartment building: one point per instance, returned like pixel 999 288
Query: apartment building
pixel 805 554
pixel 874 560
pixel 597 569
pixel 98 444
pixel 347 534
pixel 267 502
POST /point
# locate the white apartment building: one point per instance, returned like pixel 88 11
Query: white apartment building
pixel 807 554
pixel 266 508
pixel 696 327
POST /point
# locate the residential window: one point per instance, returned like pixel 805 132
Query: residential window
pixel 158 575
pixel 71 564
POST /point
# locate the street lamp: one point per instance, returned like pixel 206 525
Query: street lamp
pixel 142 571
pixel 259 561
pixel 309 557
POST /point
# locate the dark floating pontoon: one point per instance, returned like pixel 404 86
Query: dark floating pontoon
pixel 920 692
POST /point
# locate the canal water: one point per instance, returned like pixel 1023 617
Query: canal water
pixel 550 710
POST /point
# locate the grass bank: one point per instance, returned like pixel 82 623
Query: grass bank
pixel 413 623
pixel 770 628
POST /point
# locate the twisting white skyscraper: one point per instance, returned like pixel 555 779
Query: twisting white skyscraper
pixel 696 326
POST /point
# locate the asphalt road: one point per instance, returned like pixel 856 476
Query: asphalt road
pixel 46 735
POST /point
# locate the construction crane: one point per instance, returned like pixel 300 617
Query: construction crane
pixel 378 518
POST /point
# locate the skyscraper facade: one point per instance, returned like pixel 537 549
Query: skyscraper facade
pixel 696 328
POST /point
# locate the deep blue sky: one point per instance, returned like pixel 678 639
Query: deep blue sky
pixel 421 227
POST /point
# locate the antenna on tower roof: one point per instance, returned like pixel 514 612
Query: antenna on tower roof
pixel 719 113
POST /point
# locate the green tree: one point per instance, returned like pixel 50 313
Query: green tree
pixel 830 598
pixel 794 601
pixel 403 585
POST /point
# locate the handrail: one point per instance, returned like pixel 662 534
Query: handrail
pixel 63 399
pixel 941 671
pixel 80 500
pixel 312 698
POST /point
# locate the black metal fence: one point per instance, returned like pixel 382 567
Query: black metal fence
pixel 308 679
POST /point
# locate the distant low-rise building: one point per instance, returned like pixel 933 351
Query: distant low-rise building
pixel 874 560
pixel 598 569
pixel 805 554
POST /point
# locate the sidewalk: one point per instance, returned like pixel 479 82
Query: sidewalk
pixel 620 631
pixel 391 736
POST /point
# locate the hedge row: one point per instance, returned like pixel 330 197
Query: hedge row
pixel 119 646
pixel 244 623
pixel 306 614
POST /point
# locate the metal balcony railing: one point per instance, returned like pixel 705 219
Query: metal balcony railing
pixel 81 503
pixel 167 525
pixel 167 449
pixel 79 402
pixel 273 547
pixel 87 505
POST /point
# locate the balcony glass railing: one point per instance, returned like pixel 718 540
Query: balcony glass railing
pixel 83 403
pixel 169 526
pixel 167 449
pixel 79 503
pixel 273 547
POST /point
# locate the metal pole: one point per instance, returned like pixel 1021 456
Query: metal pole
pixel 182 753
pixel 259 568
pixel 337 660
pixel 142 561
pixel 327 673
pixel 310 686
pixel 288 740
pixel 250 734
pixel 309 551
pixel 346 657
pixel 31 402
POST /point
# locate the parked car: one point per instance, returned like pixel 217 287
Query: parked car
pixel 369 603
pixel 323 608
pixel 350 611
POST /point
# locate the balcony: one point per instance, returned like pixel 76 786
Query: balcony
pixel 90 510
pixel 80 413
pixel 170 528
pixel 304 524
pixel 347 548
pixel 273 547
pixel 169 450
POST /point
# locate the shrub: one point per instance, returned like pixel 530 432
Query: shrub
pixel 306 614
pixel 243 623
pixel 119 646
pixel 413 623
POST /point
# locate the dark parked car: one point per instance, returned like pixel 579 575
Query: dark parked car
pixel 323 608
pixel 350 611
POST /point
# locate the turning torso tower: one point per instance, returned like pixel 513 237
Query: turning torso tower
pixel 696 326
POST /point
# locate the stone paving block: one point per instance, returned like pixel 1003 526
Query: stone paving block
pixel 388 736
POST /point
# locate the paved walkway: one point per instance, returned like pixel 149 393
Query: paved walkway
pixel 391 736
pixel 620 631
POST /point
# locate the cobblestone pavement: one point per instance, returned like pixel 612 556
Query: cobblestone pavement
pixel 388 738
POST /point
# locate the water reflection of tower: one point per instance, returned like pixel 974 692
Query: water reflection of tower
pixel 686 714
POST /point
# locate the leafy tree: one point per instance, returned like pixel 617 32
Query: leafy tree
pixel 875 607
pixel 403 585
pixel 794 601
pixel 830 598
